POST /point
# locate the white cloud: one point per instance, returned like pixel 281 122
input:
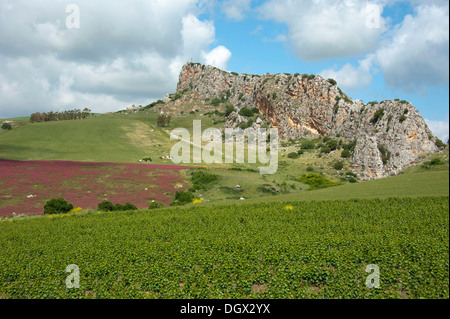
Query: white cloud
pixel 349 77
pixel 324 29
pixel 218 57
pixel 417 52
pixel 439 128
pixel 236 9
pixel 123 53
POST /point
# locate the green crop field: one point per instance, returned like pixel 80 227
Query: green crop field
pixel 266 250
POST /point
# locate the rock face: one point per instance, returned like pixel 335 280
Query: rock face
pixel 390 134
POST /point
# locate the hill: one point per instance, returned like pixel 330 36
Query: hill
pixel 388 135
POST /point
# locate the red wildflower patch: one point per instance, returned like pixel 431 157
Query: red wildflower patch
pixel 26 186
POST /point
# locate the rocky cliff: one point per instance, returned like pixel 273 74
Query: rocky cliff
pixel 389 135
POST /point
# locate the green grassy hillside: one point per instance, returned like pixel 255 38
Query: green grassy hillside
pixel 99 139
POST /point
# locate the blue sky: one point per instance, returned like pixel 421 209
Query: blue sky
pixel 124 53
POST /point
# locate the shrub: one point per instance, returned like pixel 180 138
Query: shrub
pixel 439 143
pixel 300 152
pixel 402 118
pixel 338 165
pixel 345 154
pixel 308 145
pixel 6 126
pixel 155 204
pixel 385 154
pixel 434 162
pixel 332 144
pixel 293 155
pixel 316 181
pixel 57 206
pixel 325 149
pixel 182 198
pixel 332 81
pixel 377 116
pixel 163 120
pixel 229 109
pixel 309 169
pixel 200 180
pixel 105 206
pixel 246 112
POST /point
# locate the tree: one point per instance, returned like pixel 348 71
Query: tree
pixel 6 126
pixel 163 120
pixel 57 206
pixel 105 206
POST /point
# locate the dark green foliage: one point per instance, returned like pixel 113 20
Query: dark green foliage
pixel 439 143
pixel 217 102
pixel 316 181
pixel 255 110
pixel 267 189
pixel 246 112
pixel 308 145
pixel 377 116
pixel 434 162
pixel 325 149
pixel 348 100
pixel 332 81
pixel 300 152
pixel 57 206
pixel 338 165
pixel 385 154
pixel 311 77
pixel 346 153
pixel 6 126
pixel 229 109
pixel 182 198
pixel 235 74
pixel 105 206
pixel 201 180
pixel 402 118
pixel 309 169
pixel 332 144
pixel 163 120
pixel 405 111
pixel 155 204
pixel 293 155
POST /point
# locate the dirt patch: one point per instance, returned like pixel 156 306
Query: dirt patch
pixel 259 288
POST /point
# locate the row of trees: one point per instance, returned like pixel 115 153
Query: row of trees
pixel 60 116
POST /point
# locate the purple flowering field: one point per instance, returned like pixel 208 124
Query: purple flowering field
pixel 26 186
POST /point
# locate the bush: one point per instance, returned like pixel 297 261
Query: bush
pixel 182 198
pixel 332 81
pixel 6 126
pixel 200 180
pixel 345 153
pixel 308 145
pixel 434 162
pixel 316 181
pixel 338 165
pixel 105 206
pixel 332 144
pixel 377 116
pixel 293 155
pixel 325 149
pixel 402 118
pixel 309 169
pixel 229 109
pixel 439 143
pixel 163 120
pixel 155 204
pixel 57 206
pixel 385 154
pixel 300 152
pixel 246 112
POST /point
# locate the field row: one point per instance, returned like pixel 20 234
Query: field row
pixel 266 250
